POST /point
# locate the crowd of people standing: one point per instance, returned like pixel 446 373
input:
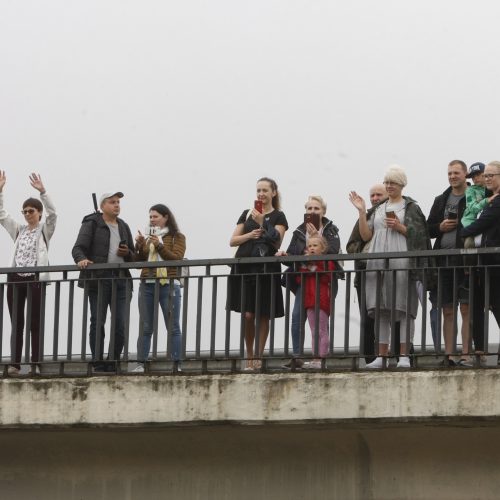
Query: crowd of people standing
pixel 462 216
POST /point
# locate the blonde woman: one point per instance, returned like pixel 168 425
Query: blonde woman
pixel 397 225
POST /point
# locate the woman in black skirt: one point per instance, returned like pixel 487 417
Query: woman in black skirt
pixel 259 233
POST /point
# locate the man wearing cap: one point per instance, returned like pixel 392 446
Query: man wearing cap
pixel 105 238
pixel 444 223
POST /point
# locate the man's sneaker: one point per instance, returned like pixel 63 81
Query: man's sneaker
pixel 298 363
pixel 376 364
pixel 13 371
pixel 447 362
pixel 404 362
pixel 139 368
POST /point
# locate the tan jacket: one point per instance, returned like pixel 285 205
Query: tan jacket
pixel 174 248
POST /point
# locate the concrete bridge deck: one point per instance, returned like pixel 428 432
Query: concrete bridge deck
pixel 387 435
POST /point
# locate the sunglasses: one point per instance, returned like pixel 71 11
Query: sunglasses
pixel 28 211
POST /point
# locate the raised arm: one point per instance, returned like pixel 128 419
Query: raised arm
pixel 50 209
pixel 359 203
pixel 11 226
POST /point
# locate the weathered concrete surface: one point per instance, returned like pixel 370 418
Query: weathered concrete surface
pixel 278 462
pixel 250 399
pixel 376 436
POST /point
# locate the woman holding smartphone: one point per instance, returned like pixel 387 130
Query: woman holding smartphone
pixel 258 233
pixel 315 224
pixel 163 242
pixel 396 225
pixel 31 246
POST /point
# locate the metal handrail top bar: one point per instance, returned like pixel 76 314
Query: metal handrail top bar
pixel 253 260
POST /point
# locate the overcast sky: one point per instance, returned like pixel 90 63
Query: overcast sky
pixel 188 103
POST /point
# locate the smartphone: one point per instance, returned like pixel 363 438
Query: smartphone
pixel 452 215
pixel 258 206
pixel 313 219
pixel 390 215
pixel 123 243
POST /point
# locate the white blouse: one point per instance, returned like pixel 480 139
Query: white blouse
pixel 26 254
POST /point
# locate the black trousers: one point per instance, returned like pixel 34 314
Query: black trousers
pixel 479 312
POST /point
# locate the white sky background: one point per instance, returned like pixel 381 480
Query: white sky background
pixel 188 103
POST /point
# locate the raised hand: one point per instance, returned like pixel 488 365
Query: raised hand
pixel 3 179
pixel 357 201
pixel 36 182
pixel 139 239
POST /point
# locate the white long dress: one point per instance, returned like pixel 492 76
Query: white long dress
pixel 389 240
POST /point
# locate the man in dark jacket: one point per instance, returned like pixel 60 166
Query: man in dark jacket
pixel 444 225
pixel 105 238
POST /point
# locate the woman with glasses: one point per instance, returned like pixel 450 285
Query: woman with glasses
pixel 486 232
pixel 31 245
pixel 396 225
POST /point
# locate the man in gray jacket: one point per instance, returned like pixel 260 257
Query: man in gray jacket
pixel 105 238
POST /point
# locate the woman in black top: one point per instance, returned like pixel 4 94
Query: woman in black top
pixel 258 234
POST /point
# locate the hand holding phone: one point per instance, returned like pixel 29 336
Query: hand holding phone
pixel 258 205
pixel 390 215
pixel 122 249
pixel 311 218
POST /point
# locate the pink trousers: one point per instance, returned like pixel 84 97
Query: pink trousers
pixel 323 342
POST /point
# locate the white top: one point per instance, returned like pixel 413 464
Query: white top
pixel 45 231
pixel 25 255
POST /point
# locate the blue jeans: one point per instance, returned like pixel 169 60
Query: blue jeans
pixel 171 314
pixel 121 304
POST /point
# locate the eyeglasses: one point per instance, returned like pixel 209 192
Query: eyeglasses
pixel 28 211
pixel 490 176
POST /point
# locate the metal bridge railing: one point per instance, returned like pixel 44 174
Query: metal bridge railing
pixel 213 337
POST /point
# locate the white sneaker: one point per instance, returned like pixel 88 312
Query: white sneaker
pixel 312 365
pixel 404 362
pixel 13 371
pixel 376 364
pixel 139 368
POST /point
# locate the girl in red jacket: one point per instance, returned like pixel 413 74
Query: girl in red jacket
pixel 317 245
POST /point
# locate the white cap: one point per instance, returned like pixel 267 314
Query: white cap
pixel 105 196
